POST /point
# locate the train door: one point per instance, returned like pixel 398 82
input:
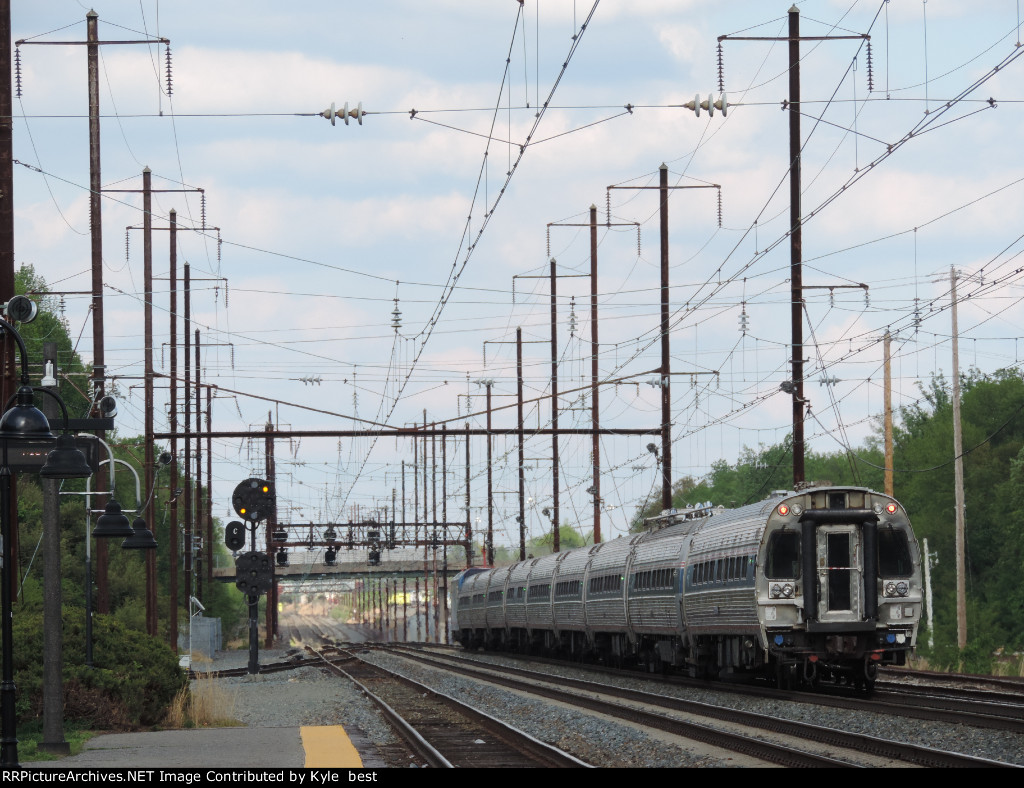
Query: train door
pixel 840 573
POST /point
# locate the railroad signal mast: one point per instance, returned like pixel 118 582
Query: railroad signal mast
pixel 254 500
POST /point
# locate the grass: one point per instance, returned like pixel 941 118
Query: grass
pixel 204 703
pixel 30 736
pixel 1002 664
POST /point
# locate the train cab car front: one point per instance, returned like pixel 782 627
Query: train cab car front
pixel 839 591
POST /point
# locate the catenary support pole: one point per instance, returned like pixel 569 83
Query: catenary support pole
pixel 555 546
pixel 595 414
pixel 958 481
pixel 796 248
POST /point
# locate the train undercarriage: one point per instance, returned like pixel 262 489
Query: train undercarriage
pixel 796 660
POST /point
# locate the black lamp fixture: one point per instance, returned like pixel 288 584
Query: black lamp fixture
pixel 23 423
pixel 66 461
pixel 113 522
pixel 141 538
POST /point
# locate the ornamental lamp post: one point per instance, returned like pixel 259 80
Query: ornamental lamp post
pixel 22 424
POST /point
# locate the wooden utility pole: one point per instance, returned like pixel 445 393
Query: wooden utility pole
pixel 888 418
pixel 595 412
pixel 796 249
pixel 187 464
pixel 958 482
pixel 665 370
pixel 271 523
pixel 197 534
pixel 666 356
pixel 555 545
pixel 522 448
pixel 8 377
pixel 148 464
pixel 490 480
pixel 469 516
pixel 172 534
pixel 53 687
pixel 796 385
pixel 92 44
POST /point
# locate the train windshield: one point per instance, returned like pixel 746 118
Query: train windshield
pixel 894 554
pixel 783 558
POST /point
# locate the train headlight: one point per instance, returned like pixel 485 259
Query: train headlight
pixel 783 509
pixel 776 590
pixel 787 590
pixel 877 508
pixel 797 510
pixel 890 589
pixel 901 638
pixel 902 588
pixel 891 508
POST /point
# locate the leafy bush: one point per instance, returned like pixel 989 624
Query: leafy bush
pixel 133 680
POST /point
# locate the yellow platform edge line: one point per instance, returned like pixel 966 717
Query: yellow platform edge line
pixel 328 746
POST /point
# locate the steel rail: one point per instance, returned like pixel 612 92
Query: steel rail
pixel 880 747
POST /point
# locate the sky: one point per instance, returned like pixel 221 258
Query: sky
pixel 489 131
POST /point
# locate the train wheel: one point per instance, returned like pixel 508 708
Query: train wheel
pixel 785 676
pixel 870 675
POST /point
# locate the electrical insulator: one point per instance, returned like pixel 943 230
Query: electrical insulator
pixel 743 322
pixel 331 113
pixel 709 105
pixel 396 317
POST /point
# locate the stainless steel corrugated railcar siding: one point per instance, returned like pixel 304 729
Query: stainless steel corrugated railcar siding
pixel 719 594
pixel 606 585
pixel 567 591
pixel 515 601
pixel 495 614
pixel 474 593
pixel 538 594
pixel 653 587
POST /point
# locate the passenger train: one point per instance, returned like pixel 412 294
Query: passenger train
pixel 821 584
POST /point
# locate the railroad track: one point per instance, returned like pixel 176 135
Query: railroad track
pixel 572 691
pixel 442 731
pixel 1011 685
pixel 995 711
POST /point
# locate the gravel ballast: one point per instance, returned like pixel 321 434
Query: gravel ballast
pixel 311 696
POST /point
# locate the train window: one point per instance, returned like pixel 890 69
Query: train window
pixel 569 588
pixel 494 596
pixel 893 554
pixel 540 593
pixel 783 559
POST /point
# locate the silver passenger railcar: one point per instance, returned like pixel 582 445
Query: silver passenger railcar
pixel 824 583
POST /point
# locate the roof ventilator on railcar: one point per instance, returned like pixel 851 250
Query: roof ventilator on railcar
pixel 673 516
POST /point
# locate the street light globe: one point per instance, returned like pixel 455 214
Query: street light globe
pixel 24 421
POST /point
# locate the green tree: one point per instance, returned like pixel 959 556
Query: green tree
pixel 993 438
